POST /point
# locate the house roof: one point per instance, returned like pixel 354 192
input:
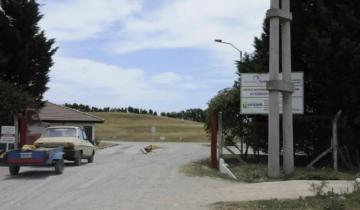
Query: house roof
pixel 56 113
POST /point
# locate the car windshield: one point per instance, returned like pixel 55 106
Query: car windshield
pixel 60 132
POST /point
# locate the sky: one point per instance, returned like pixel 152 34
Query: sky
pixel 151 54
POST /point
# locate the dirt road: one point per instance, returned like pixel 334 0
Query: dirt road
pixel 124 178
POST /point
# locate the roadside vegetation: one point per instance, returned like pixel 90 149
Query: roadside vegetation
pixel 201 168
pixel 139 127
pixel 322 200
pixel 325 46
pixel 330 201
pixel 254 173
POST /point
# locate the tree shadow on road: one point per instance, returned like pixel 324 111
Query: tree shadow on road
pixel 72 164
pixel 29 172
pixel 32 174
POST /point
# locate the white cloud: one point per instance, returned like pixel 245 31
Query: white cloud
pixel 193 23
pixel 100 84
pixel 166 78
pixel 128 26
pixel 83 19
pixel 95 78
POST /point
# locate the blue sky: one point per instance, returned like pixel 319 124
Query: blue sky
pixel 152 54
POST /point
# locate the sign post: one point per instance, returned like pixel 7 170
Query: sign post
pixel 153 131
pixel 7 135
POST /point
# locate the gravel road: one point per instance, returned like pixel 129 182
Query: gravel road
pixel 123 178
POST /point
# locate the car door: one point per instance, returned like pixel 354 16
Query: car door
pixel 88 147
pixel 82 144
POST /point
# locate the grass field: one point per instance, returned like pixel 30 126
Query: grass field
pixel 138 127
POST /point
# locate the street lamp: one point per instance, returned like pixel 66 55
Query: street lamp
pixel 240 52
pixel 231 44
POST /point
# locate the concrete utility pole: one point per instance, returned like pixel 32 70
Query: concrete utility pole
pixel 288 145
pixel 275 86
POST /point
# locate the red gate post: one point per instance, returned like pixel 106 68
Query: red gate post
pixel 23 129
pixel 214 129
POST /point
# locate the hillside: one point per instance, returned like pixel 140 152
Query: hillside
pixel 138 127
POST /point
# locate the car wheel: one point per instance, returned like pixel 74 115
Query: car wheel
pixel 14 170
pixel 78 159
pixel 91 159
pixel 59 166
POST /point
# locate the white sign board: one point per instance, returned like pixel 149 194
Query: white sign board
pixel 255 97
pixel 7 134
pixel 153 129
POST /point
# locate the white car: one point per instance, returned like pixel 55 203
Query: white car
pixel 73 139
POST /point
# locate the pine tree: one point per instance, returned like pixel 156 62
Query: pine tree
pixel 25 52
pixel 12 102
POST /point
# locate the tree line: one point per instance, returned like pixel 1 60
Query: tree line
pixel 129 109
pixel 196 114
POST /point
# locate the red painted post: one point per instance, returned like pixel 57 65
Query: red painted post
pixel 23 130
pixel 214 128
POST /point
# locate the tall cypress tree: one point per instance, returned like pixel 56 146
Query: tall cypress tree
pixel 25 52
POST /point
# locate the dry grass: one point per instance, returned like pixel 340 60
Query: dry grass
pixel 254 173
pixel 104 145
pixel 201 168
pixel 137 127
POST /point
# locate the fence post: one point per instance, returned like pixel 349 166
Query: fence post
pixel 214 128
pixel 220 135
pixel 335 140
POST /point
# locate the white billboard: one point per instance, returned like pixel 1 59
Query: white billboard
pixel 7 134
pixel 255 97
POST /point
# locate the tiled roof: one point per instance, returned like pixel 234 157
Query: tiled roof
pixel 56 113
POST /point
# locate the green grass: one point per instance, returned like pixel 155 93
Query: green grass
pixel 323 174
pixel 254 173
pixel 330 201
pixel 137 127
